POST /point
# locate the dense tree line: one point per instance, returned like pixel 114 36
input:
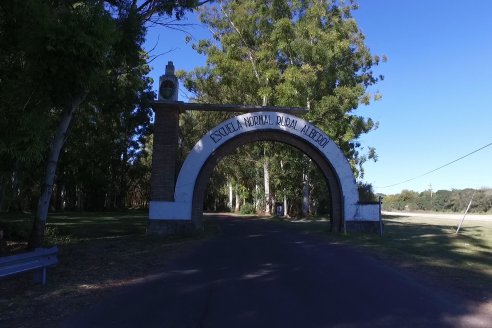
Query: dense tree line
pixel 75 100
pixel 74 85
pixel 455 200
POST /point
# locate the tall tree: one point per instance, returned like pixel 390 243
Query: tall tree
pixel 79 42
pixel 291 53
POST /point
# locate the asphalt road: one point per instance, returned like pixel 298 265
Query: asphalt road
pixel 258 273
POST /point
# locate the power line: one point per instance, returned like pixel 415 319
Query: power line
pixel 440 167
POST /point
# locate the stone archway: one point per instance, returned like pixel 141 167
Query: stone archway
pixel 268 135
pixel 184 211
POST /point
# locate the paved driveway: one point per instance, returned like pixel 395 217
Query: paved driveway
pixel 258 273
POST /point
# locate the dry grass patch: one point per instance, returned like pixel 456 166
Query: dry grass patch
pixel 429 247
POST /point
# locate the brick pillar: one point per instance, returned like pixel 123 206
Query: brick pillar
pixel 164 154
pixel 163 177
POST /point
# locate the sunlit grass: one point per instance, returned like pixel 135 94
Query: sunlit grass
pixel 431 247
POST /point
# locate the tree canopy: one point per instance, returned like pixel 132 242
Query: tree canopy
pixel 67 59
pixel 288 53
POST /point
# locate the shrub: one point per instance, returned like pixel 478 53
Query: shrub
pixel 247 209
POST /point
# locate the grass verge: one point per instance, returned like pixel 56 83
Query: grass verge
pixel 429 248
pixel 98 253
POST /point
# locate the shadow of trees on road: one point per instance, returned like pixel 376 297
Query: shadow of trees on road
pixel 460 261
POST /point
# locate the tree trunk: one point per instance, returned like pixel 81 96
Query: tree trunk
pixel 285 196
pixel 63 193
pixel 16 201
pixel 285 206
pixel 266 177
pixel 231 196
pixel 37 233
pixel 123 187
pixel 238 200
pixel 55 202
pixel 257 199
pixel 305 195
pixel 78 198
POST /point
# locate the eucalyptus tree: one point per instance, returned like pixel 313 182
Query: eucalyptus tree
pixel 291 53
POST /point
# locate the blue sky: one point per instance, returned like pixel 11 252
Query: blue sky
pixel 436 92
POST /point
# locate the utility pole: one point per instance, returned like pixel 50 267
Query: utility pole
pixel 466 212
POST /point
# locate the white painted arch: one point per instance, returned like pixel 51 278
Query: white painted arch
pixel 181 208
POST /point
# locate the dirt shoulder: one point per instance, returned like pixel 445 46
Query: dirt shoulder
pixel 86 272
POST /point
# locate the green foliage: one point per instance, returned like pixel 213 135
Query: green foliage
pixel 366 193
pixel 284 53
pixel 53 52
pixel 105 154
pixel 291 54
pixel 41 70
pixel 441 200
pixel 248 209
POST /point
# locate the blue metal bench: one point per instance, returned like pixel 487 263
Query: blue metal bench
pixel 37 261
